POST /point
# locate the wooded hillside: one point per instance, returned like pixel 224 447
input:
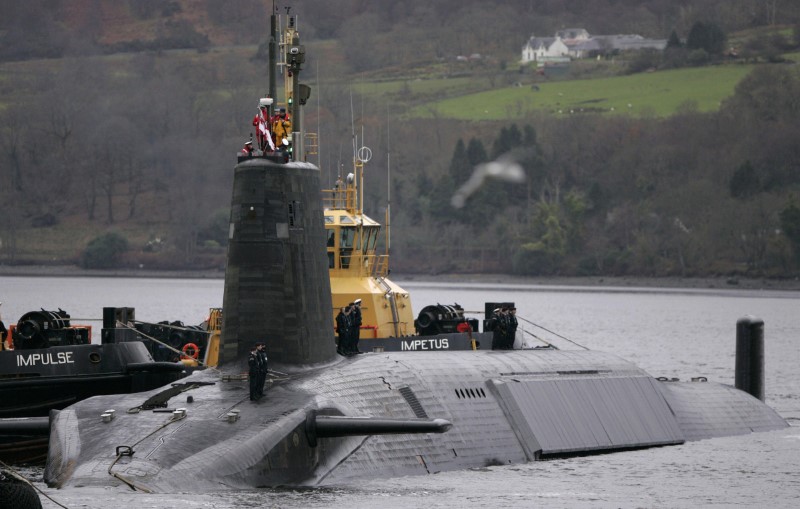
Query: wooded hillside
pixel 119 123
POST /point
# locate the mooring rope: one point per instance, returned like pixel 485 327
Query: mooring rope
pixel 175 350
pixel 536 325
pixel 551 332
pixel 540 339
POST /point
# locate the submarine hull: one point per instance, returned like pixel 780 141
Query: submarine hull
pixel 505 408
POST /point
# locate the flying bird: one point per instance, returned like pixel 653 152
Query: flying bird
pixel 505 168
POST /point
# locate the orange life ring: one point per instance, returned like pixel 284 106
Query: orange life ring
pixel 195 351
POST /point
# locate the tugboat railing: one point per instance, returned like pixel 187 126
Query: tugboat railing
pixel 341 199
pixel 361 265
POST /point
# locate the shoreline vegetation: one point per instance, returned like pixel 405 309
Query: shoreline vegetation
pixel 717 283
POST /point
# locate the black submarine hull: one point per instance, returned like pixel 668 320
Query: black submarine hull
pixel 35 381
pixel 505 407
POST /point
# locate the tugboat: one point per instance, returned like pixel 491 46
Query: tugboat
pixel 358 274
pixel 46 363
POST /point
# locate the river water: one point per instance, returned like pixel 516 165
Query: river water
pixel 667 332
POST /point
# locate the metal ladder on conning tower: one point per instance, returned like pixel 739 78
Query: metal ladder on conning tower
pixel 311 144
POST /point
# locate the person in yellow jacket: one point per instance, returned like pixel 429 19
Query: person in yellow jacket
pixel 281 128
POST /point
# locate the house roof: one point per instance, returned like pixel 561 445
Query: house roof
pixel 573 33
pixel 632 41
pixel 539 42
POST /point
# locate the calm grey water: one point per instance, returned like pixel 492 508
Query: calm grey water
pixel 674 333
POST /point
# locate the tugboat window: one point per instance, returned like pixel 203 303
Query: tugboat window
pixel 348 234
pixel 370 236
pixel 346 246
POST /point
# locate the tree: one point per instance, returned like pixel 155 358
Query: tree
pixel 745 182
pixel 769 93
pixel 104 252
pixel 706 36
pixel 674 41
pixel 790 224
pixel 12 130
pixel 476 153
pixel 546 244
pixel 460 167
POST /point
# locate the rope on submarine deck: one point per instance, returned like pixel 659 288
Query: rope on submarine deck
pixel 130 483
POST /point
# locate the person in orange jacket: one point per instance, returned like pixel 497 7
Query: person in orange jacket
pixel 282 128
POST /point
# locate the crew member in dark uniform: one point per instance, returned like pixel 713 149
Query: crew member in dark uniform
pixel 342 329
pixel 512 327
pixel 261 350
pixel 356 330
pixel 497 330
pixel 508 339
pixel 252 363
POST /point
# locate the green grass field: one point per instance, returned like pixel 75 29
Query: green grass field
pixel 648 94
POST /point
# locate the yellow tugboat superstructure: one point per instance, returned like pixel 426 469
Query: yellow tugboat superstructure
pixel 356 270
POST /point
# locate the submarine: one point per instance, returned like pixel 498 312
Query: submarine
pixel 327 419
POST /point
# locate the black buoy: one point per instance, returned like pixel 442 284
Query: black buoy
pixel 16 493
pixel 750 356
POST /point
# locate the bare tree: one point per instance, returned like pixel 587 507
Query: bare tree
pixel 12 131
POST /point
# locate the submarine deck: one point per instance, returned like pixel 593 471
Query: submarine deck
pixel 506 407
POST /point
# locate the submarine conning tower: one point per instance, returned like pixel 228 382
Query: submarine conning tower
pixel 277 288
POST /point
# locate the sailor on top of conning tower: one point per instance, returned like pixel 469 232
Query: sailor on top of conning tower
pixel 262 124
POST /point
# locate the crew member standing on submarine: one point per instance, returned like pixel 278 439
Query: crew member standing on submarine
pixel 512 327
pixel 261 350
pixel 356 330
pixel 496 324
pixel 252 363
pixel 342 326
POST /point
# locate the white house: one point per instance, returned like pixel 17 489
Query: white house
pixel 543 49
pixel 578 43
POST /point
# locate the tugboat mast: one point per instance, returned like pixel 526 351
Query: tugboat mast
pixel 273 56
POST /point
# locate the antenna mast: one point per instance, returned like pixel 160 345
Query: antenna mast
pixel 388 185
pixel 273 58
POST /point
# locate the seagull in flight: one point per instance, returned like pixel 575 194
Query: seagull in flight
pixel 505 168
